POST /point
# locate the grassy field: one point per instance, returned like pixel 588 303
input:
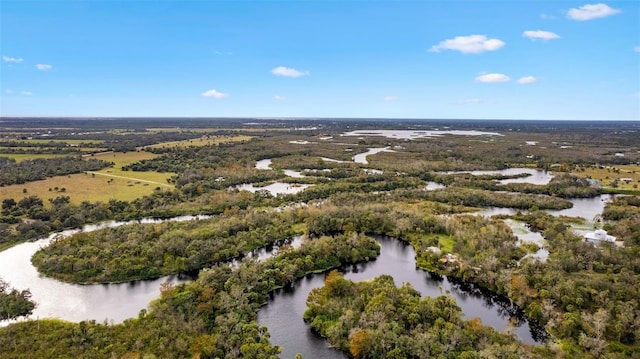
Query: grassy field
pixel 123 159
pixel 29 156
pixel 103 185
pixel 608 174
pixel 202 141
pixel 81 187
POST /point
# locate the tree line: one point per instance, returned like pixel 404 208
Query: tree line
pixel 211 317
pixel 13 172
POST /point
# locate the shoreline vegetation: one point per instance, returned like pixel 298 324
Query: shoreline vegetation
pixel 585 297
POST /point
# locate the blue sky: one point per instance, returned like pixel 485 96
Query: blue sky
pixel 566 60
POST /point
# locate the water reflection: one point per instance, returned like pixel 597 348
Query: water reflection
pixel 275 188
pixel 534 176
pixel 283 313
pixel 362 157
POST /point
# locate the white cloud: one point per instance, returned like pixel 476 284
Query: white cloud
pixel 547 17
pixel 279 98
pixel 8 91
pixel 288 72
pixel 472 44
pixel 540 34
pixel 215 94
pixel 26 93
pixel 527 80
pixel 390 98
pixel 12 59
pixel 636 49
pixel 469 101
pixel 591 11
pixel 44 67
pixel 495 77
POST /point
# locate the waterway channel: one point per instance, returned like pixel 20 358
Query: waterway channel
pixel 283 313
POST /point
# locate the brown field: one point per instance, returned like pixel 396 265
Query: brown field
pixel 123 159
pixel 29 156
pixel 81 187
pixel 103 185
pixel 608 174
pixel 202 141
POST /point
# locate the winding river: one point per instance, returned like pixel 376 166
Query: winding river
pixel 283 313
pixel 75 302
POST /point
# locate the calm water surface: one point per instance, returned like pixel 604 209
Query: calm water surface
pixel 362 157
pixel 75 302
pixel 412 134
pixel 283 313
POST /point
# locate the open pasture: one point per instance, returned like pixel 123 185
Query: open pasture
pixel 202 141
pixel 81 187
pixel 121 159
pixel 616 176
pixel 29 156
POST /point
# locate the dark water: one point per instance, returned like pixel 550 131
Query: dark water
pixel 283 313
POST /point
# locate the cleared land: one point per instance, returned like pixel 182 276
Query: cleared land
pixel 627 176
pixel 81 187
pixel 103 185
pixel 29 156
pixel 202 141
pixel 124 159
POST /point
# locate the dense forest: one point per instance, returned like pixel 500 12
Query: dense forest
pixel 211 317
pixel 376 319
pixel 147 251
pixel 584 297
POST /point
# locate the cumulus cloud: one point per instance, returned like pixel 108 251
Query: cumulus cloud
pixel 288 72
pixel 44 67
pixel 494 77
pixel 390 98
pixel 26 93
pixel 279 98
pixel 591 11
pixel 547 17
pixel 472 44
pixel 527 80
pixel 12 59
pixel 540 35
pixel 469 101
pixel 215 94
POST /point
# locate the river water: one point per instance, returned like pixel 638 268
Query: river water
pixel 283 313
pixel 75 302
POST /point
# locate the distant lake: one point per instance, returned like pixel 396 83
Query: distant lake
pixel 536 176
pixel 414 134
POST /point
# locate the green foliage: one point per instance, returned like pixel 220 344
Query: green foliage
pixel 375 319
pixel 12 172
pixel 144 251
pixel 14 303
pixel 211 317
